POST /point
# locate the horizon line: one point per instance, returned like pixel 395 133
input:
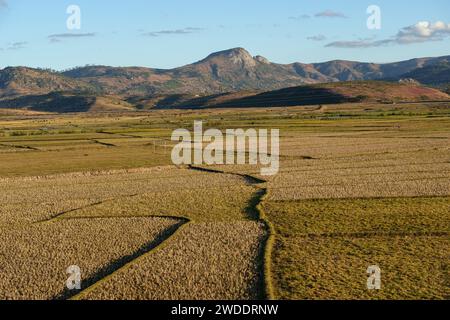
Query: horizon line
pixel 205 57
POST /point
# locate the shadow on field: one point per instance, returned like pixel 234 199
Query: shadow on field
pixel 248 178
pixel 253 211
pixel 296 96
pixel 53 102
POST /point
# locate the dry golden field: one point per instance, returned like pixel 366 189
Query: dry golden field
pixel 359 185
pixel 325 246
pixel 35 257
pixel 103 220
pixel 203 261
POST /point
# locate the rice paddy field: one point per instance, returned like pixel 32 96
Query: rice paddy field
pixel 359 185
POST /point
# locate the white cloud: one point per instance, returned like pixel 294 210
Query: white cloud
pixel 17 45
pixel 300 17
pixel 187 30
pixel 56 38
pixel 330 14
pixel 319 37
pixel 422 31
pixel 71 35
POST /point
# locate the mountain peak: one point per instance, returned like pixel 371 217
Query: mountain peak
pixel 234 52
pixel 235 56
pixel 238 56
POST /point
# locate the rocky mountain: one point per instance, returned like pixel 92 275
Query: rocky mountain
pixel 28 81
pixel 226 71
pixel 435 74
pixel 236 70
pixel 230 70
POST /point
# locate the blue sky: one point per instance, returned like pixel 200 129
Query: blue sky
pixel 171 33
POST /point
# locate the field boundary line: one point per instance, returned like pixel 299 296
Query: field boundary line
pixel 249 178
pixel 302 169
pixel 106 144
pixel 88 173
pixel 359 183
pixel 59 215
pixel 118 217
pixel 23 147
pixel 365 235
pixel 268 247
pixel 360 198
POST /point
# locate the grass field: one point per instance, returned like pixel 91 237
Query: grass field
pixel 35 257
pixel 359 185
pixel 324 247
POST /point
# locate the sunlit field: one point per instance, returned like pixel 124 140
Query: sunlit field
pixel 359 185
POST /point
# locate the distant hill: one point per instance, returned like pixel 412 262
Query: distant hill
pixel 25 81
pixel 313 94
pixel 317 94
pixel 217 79
pixel 230 70
pixel 237 70
pixel 225 71
pixel 436 74
pixel 66 102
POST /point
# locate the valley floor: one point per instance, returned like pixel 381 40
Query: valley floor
pixel 359 185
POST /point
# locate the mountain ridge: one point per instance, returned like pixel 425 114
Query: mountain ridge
pixel 224 71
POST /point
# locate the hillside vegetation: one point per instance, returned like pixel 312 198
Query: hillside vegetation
pixel 319 94
pixel 217 80
pixel 305 95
